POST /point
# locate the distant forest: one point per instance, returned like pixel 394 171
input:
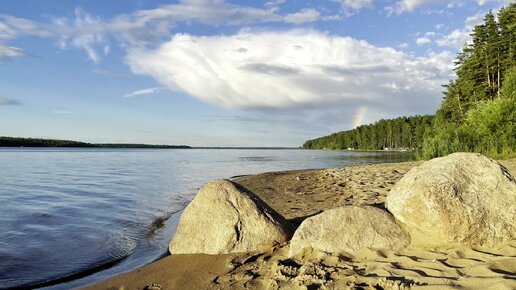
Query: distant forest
pixel 399 133
pixel 36 142
pixel 478 112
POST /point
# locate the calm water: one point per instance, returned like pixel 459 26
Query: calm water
pixel 76 216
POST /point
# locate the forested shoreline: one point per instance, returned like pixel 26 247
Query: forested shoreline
pixel 38 142
pixel 478 112
pixel 394 134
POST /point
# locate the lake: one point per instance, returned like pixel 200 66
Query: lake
pixel 69 217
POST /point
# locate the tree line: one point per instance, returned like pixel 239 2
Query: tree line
pixel 478 111
pixel 394 134
pixel 37 142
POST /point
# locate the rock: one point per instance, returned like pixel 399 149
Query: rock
pixel 226 218
pixel 463 198
pixel 347 230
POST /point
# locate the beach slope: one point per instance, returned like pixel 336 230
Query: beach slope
pixel 304 193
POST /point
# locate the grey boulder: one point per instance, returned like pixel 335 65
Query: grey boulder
pixel 463 198
pixel 348 230
pixel 225 218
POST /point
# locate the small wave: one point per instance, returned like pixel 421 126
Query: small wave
pixel 159 223
pixel 122 244
pixel 257 158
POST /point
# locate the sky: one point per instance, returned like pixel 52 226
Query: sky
pixel 223 73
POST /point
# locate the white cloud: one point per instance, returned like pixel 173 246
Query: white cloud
pixel 274 5
pixel 403 6
pixel 107 49
pixel 274 2
pixel 292 68
pixel 350 7
pixel 305 15
pixel 10 52
pixel 333 17
pixel 143 27
pixel 474 20
pixel 6 32
pixel 426 39
pixel 212 12
pixel 136 26
pixel 403 45
pixel 12 27
pixel 149 91
pixel 458 37
pixel 423 41
pixel 411 5
pixel 504 2
pixel 85 32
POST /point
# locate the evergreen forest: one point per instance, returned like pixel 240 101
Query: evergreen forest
pixel 399 133
pixel 478 111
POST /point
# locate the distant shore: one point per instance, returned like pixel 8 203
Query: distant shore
pixel 58 143
pixel 302 193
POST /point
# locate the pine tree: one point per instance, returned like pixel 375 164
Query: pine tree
pixel 475 114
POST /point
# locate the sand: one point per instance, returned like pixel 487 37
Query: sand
pixel 299 194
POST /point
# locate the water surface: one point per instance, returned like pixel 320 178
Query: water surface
pixel 87 214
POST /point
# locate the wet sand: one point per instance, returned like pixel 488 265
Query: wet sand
pixel 299 194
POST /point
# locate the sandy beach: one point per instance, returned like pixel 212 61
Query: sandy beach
pixel 300 194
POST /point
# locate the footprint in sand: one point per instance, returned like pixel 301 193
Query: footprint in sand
pixel 153 286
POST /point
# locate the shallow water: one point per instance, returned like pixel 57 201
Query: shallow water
pixel 81 215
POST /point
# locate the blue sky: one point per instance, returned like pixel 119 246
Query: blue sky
pixel 223 73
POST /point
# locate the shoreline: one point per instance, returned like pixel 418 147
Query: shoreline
pixel 299 194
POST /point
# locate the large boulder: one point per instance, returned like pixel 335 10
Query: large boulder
pixel 463 198
pixel 347 230
pixel 225 218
